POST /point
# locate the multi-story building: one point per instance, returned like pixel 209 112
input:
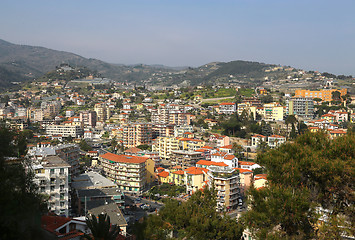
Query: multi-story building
pixel 324 94
pixel 88 118
pixel 70 153
pixel 300 106
pixel 227 108
pixel 102 112
pixel 128 172
pixel 165 146
pixel 65 131
pixel 135 134
pixel 227 184
pixel 273 112
pixel 190 144
pixel 162 130
pixel 195 178
pixel 180 130
pixel 170 114
pixel 52 177
pixel 50 109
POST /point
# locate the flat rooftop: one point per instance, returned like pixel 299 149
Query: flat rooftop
pixel 92 180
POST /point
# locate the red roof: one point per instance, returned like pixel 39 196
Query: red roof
pixel 51 223
pixel 209 163
pixel 227 103
pixel 260 176
pixel 163 174
pixel 229 157
pixel 227 147
pixel 195 170
pixel 242 170
pixel 190 139
pixel 276 136
pixel 246 163
pixel 259 136
pixel 207 147
pixel 123 158
pixel 328 115
pixel 179 172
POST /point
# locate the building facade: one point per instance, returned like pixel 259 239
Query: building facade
pixel 52 177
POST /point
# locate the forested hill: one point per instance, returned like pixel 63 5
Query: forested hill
pixel 20 62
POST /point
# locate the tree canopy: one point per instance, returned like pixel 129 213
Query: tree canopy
pixel 20 203
pixel 195 219
pixel 308 179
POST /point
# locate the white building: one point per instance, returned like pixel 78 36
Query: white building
pixel 65 131
pixel 275 140
pixel 227 108
pixel 52 177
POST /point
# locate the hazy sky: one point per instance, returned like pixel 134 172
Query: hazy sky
pixel 313 35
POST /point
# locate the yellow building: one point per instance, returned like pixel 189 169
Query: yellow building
pixel 324 94
pixel 163 177
pixel 195 178
pixel 260 180
pixel 149 166
pixel 177 177
pixel 274 112
pixel 165 146
pixel 190 144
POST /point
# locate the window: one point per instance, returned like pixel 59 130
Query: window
pixel 52 171
pixel 43 189
pixel 61 171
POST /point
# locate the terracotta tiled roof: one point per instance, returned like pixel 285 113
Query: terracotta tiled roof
pixel 242 170
pixel 229 157
pixel 179 172
pixel 133 150
pixel 51 223
pixel 260 176
pixel 190 139
pixel 123 158
pixel 163 174
pixel 259 136
pixel 227 147
pixel 246 163
pixel 227 103
pixel 195 170
pixel 276 136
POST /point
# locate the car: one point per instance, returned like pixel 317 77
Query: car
pixel 138 199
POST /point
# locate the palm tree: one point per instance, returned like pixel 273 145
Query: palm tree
pixel 101 228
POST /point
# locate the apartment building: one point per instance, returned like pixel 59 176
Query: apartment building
pixel 88 118
pixel 226 182
pixel 165 146
pixel 170 114
pixel 162 130
pixel 324 94
pixel 273 112
pixel 70 153
pixel 180 130
pixel 52 177
pixel 135 134
pixel 227 108
pixel 190 144
pixel 65 131
pixel 195 178
pixel 128 172
pixel 103 112
pixel 300 106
